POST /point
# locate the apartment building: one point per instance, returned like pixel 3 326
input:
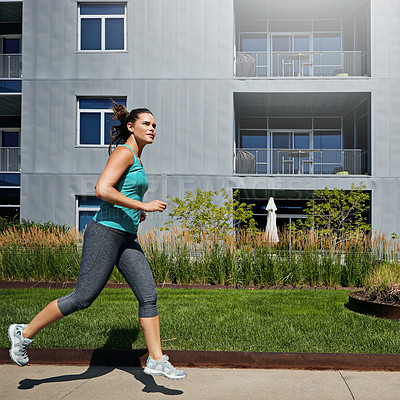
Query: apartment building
pixel 273 98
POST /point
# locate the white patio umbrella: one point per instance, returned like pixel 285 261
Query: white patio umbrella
pixel 271 230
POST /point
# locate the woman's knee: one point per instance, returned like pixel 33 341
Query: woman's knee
pixel 148 305
pixel 71 303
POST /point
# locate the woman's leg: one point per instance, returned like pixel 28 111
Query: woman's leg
pixel 136 270
pixel 99 254
pixel 51 313
pixel 151 331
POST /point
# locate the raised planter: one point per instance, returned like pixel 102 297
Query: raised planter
pixel 381 310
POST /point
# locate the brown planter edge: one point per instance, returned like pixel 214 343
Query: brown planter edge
pixel 71 285
pixel 215 359
pixel 374 308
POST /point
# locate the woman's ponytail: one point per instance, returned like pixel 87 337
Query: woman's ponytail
pixel 119 133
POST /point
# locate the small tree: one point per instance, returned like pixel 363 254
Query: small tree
pixel 337 211
pixel 199 213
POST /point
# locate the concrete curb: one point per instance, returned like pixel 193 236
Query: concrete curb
pixel 215 359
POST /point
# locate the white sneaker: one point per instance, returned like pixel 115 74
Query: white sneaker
pixel 164 368
pixel 19 345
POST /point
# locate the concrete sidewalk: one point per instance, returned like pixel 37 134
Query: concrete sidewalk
pixel 95 382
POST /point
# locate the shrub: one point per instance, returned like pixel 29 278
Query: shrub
pixel 336 211
pixel 198 212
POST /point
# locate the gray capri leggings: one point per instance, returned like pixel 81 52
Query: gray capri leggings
pixel 104 247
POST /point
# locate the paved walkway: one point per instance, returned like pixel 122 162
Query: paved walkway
pixel 78 382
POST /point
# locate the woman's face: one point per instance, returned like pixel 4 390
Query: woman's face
pixel 144 128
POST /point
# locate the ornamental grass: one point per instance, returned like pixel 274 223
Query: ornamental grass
pixel 229 258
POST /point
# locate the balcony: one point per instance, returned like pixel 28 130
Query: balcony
pixel 301 161
pixel 10 65
pixel 300 64
pixel 302 38
pixel 10 159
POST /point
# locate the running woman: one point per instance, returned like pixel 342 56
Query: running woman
pixel 111 239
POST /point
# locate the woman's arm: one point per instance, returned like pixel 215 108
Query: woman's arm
pixel 119 161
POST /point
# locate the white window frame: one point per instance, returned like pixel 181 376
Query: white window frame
pixel 103 18
pixel 101 111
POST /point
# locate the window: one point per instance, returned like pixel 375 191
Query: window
pixel 8 179
pixel 10 195
pixel 102 27
pixel 14 86
pixel 254 140
pixel 9 138
pixel 94 120
pixel 11 45
pixel 87 206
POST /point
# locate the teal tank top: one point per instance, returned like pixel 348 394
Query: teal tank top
pixel 133 184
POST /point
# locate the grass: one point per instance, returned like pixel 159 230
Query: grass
pixel 229 320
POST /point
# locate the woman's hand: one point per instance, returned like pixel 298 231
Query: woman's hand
pixel 155 205
pixel 143 216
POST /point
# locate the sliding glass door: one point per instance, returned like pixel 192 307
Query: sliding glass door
pixel 285 158
pixel 289 53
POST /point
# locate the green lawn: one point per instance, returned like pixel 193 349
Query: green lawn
pixel 231 320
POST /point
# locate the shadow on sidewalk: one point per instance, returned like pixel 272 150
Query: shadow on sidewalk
pixel 121 358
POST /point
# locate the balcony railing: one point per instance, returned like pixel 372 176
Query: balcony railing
pixel 301 161
pixel 297 64
pixel 10 159
pixel 10 65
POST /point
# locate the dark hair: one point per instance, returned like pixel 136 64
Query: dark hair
pixel 120 133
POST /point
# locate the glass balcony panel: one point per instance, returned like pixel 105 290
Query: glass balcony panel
pixel 10 65
pixel 10 159
pixel 296 64
pixel 300 161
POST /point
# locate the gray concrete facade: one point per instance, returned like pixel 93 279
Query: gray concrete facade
pixel 179 63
